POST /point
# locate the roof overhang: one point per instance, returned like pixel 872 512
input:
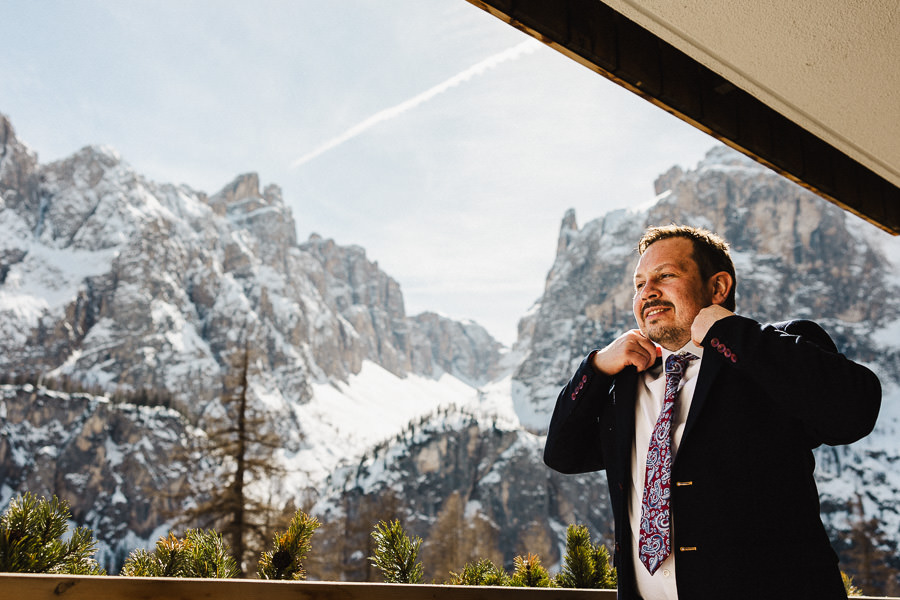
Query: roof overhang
pixel 810 88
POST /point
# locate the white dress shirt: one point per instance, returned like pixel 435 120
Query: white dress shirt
pixel 648 405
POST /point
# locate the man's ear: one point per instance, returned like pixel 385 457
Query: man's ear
pixel 720 286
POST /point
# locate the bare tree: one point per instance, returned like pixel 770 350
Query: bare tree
pixel 240 447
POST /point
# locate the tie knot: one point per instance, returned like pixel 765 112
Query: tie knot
pixel 676 363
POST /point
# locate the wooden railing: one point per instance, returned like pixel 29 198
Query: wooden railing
pixel 85 587
pixel 16 586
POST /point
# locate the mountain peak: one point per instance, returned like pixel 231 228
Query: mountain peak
pixel 721 155
pixel 17 161
pixel 243 187
pixel 567 228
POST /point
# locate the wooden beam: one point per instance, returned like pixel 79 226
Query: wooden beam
pixel 85 587
pixel 606 42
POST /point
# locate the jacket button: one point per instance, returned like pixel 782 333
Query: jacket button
pixel 714 342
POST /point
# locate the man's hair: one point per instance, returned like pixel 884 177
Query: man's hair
pixel 710 251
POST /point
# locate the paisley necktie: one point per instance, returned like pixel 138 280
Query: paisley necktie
pixel 654 539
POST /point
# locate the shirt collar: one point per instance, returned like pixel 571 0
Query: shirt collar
pixel 689 347
pixel 657 370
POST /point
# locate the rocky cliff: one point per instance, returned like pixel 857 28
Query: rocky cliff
pixel 119 466
pixel 128 284
pixel 470 486
pixel 128 288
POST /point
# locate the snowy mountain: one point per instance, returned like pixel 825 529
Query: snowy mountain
pixel 130 289
pixel 127 285
pixel 117 284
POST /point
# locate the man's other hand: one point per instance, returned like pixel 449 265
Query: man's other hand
pixel 631 348
pixel 705 319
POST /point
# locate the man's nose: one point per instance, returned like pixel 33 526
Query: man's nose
pixel 649 291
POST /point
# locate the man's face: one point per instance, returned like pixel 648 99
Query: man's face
pixel 669 292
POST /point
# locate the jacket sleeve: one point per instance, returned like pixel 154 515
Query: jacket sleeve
pixel 573 439
pixel 836 400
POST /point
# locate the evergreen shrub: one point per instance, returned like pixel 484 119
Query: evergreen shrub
pixel 31 539
pixel 285 561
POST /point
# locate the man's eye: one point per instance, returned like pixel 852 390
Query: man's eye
pixel 638 286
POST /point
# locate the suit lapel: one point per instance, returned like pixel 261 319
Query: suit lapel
pixel 624 392
pixel 709 368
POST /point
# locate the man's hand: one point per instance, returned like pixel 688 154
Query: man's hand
pixel 705 319
pixel 631 348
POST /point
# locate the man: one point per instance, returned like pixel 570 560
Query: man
pixel 711 480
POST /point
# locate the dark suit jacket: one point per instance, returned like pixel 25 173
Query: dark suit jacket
pixel 745 507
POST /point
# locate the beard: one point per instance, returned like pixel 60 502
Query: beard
pixel 670 337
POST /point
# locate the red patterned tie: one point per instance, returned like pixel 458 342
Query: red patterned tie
pixel 654 540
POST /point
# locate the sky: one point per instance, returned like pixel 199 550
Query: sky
pixel 446 143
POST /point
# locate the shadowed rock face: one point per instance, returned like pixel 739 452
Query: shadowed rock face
pixel 116 465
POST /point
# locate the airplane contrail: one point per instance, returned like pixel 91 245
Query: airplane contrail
pixel 490 62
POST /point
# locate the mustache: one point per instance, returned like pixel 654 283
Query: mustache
pixel 653 304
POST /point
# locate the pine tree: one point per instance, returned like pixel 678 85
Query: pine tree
pixel 31 532
pixel 605 575
pixel 396 554
pixel 482 572
pixel 529 572
pixel 585 565
pixel 285 561
pixel 239 441
pixel 198 554
pixel 578 564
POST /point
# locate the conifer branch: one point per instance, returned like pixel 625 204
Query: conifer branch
pixel 396 554
pixel 31 532
pixel 199 553
pixel 285 561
